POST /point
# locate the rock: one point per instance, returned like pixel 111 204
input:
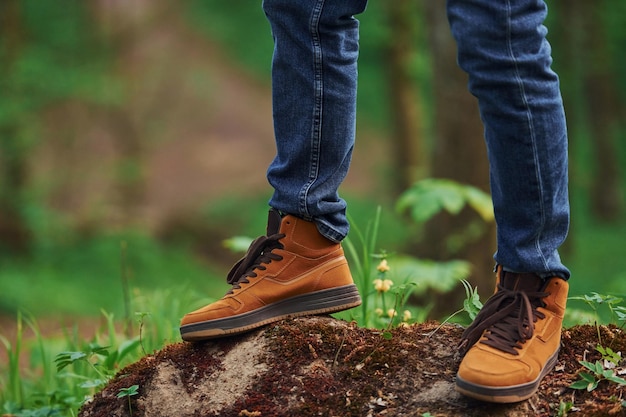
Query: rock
pixel 314 366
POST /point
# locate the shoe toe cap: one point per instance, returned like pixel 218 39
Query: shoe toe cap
pixel 488 367
pixel 223 308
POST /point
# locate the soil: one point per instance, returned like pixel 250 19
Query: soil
pixel 320 366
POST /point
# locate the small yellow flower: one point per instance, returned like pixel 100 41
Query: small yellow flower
pixel 392 313
pixel 406 316
pixel 382 285
pixel 379 312
pixel 383 266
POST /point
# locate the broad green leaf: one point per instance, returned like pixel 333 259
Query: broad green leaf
pixel 481 202
pixel 128 392
pixel 580 384
pixel 451 198
pixel 617 380
pixel 430 196
pixel 65 359
pixel 93 383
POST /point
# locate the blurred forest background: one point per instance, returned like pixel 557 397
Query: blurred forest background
pixel 135 135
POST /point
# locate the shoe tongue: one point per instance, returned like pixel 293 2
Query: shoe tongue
pixel 527 282
pixel 273 222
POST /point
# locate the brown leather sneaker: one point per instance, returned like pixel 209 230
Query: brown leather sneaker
pixel 514 340
pixel 293 271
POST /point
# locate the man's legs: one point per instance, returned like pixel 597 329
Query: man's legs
pixel 502 46
pixel 314 79
pixel 299 267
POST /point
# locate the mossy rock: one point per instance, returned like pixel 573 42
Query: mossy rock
pixel 320 366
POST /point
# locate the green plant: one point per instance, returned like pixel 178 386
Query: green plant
pixel 409 274
pixel 596 301
pixel 38 393
pixel 129 392
pixel 383 294
pixel 609 357
pixel 12 387
pixel 103 361
pixel 599 372
pixel 603 369
pixel 361 264
pixel 471 305
pixel 564 408
pixel 36 388
pixel 433 195
pixel 386 281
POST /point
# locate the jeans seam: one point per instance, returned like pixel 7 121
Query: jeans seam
pixel 316 125
pixel 533 138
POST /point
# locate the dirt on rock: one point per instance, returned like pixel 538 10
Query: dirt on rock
pixel 320 366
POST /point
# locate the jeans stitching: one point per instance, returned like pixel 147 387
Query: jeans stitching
pixel 318 85
pixel 532 133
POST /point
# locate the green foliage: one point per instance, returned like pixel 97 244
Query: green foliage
pixel 83 276
pixel 471 304
pixel 128 392
pixel 609 357
pixel 82 365
pixel 13 387
pixel 51 55
pixel 55 55
pixel 604 369
pixel 386 281
pixel 383 297
pixel 59 57
pixel 596 302
pixel 594 254
pixel 590 381
pixel 431 196
pixel 361 260
pixel 564 408
pixel 429 274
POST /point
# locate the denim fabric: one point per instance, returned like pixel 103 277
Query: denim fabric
pixel 314 77
pixel 502 46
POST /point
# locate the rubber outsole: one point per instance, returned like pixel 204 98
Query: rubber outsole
pixel 319 302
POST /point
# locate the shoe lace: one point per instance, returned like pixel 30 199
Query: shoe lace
pixel 258 255
pixel 508 318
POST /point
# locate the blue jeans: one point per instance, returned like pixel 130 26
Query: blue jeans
pixel 501 45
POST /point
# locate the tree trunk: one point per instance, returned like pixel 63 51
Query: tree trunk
pixel 14 233
pixel 410 156
pixel 605 112
pixel 594 108
pixel 459 154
